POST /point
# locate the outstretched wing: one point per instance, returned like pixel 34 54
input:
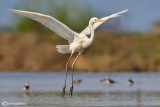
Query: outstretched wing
pixel 50 22
pixel 96 25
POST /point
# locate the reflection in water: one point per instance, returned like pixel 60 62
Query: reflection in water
pixel 26 94
pixel 46 90
pixel 86 98
pixel 138 98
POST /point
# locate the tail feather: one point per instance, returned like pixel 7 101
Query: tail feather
pixel 63 49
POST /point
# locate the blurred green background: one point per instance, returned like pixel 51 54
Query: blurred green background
pixel 129 43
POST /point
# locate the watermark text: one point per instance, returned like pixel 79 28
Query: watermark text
pixel 6 103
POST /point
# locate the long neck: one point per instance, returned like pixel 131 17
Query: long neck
pixel 92 32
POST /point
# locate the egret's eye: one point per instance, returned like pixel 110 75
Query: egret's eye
pixel 95 20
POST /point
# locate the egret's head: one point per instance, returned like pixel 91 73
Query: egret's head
pixel 95 20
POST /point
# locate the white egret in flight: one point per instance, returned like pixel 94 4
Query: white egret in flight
pixel 77 41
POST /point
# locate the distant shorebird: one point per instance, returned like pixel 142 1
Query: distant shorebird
pixel 26 86
pixel 77 41
pixel 108 81
pixel 77 81
pixel 130 82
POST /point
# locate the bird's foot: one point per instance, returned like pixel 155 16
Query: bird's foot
pixel 63 91
pixel 71 90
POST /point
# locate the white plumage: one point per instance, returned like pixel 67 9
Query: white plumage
pixel 77 41
pixel 63 49
pixel 50 22
pixel 96 25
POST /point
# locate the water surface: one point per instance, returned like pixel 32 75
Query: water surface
pixel 46 89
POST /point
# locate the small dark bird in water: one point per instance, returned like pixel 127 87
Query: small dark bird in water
pixel 77 81
pixel 130 81
pixel 26 86
pixel 108 81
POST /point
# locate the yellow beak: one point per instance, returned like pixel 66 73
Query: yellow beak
pixel 101 20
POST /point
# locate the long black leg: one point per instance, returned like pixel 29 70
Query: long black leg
pixel 71 89
pixel 63 91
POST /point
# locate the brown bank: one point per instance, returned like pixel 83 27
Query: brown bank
pixel 109 52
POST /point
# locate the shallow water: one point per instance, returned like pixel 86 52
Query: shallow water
pixel 46 90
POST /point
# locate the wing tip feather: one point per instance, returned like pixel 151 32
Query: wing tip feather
pixel 123 11
pixel 11 10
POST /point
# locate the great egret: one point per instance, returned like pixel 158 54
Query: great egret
pixel 77 41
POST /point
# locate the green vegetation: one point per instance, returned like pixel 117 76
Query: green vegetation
pixel 109 52
pixel 70 13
